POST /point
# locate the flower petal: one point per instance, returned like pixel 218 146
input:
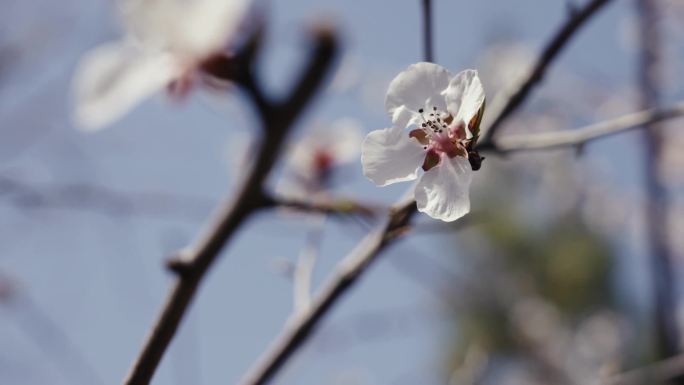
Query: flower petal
pixel 465 95
pixel 209 25
pixel 442 192
pixel 191 29
pixel 113 78
pixel 389 156
pixel 419 86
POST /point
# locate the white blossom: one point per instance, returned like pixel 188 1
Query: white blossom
pixel 165 43
pixel 435 122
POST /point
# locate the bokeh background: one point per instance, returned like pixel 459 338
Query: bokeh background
pixel 549 283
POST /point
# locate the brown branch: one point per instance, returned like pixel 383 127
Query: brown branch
pixel 580 136
pixel 576 20
pixel 302 324
pixel 152 204
pixel 324 206
pixel 192 265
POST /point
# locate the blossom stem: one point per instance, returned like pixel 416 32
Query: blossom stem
pixel 427 31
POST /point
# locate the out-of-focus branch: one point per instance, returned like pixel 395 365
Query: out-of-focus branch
pixel 302 324
pixel 576 20
pixel 152 204
pixel 53 341
pixel 657 373
pixel 580 136
pixel 306 262
pixel 656 214
pixel 101 199
pixel 191 265
pixel 324 206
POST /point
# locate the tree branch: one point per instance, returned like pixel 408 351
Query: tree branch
pixel 657 373
pixel 656 214
pixel 102 199
pixel 323 206
pixel 576 20
pixel 301 325
pixel 192 265
pixel 580 136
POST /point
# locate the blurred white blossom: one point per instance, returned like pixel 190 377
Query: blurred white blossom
pixel 165 43
pixel 444 112
pixel 315 156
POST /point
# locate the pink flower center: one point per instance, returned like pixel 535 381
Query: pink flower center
pixel 439 134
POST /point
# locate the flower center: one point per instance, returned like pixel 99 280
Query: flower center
pixel 439 135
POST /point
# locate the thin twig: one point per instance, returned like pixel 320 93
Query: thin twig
pixel 192 265
pixel 575 21
pixel 306 263
pixel 580 136
pixel 151 204
pixel 656 373
pixel 54 342
pixel 301 325
pixel 102 199
pixel 325 206
pixel 427 31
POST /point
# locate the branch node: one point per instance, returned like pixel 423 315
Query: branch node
pixel 179 264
